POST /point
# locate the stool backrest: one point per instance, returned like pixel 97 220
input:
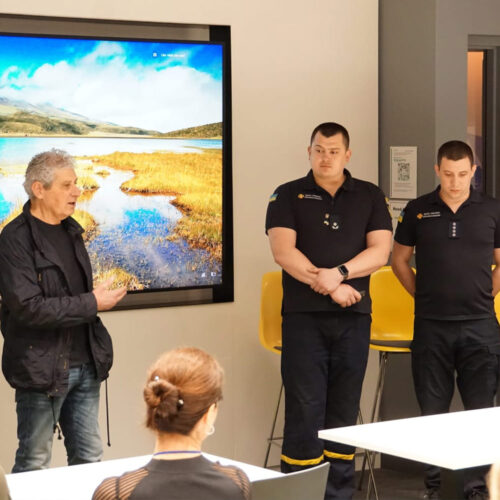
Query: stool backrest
pixel 308 484
pixel 392 308
pixel 270 311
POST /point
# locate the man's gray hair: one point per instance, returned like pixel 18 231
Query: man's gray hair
pixel 42 166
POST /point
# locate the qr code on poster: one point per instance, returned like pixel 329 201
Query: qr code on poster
pixel 403 171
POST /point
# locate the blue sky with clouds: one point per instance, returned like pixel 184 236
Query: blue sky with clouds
pixel 153 85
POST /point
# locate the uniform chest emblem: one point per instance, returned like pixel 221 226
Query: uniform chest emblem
pixel 428 215
pixel 333 221
pixel 310 197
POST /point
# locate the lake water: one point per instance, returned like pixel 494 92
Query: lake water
pixel 19 150
pixel 132 229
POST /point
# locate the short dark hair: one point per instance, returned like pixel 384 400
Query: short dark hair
pixel 331 128
pixel 455 150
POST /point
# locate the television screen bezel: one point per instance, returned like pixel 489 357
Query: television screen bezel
pixel 108 29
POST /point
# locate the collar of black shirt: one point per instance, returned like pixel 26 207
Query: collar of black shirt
pixel 348 184
pixel 474 197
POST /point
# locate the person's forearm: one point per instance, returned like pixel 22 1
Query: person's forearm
pixel 405 275
pixel 368 261
pixel 364 263
pixel 50 312
pixel 296 264
pixel 495 275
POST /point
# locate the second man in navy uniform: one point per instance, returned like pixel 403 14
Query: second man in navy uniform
pixel 455 231
pixel 329 232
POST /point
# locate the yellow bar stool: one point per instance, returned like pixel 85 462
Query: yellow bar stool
pixel 270 335
pixel 391 330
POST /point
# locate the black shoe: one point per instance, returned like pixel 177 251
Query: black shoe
pixel 478 495
pixel 433 494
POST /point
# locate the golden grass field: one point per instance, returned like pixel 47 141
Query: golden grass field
pixel 86 182
pixel 83 218
pixel 87 222
pixel 195 179
pixel 119 276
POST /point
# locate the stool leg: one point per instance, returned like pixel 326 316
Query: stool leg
pixel 272 438
pixel 367 458
pixel 376 404
pixel 371 481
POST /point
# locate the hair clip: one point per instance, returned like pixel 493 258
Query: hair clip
pixel 180 403
pixel 156 378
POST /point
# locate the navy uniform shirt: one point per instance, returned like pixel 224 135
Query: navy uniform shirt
pixel 454 254
pixel 330 231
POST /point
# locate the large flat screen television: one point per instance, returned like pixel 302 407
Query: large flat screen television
pixel 148 122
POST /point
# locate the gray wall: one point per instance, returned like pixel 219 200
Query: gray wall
pixel 407 88
pixel 423 75
pixel 423 102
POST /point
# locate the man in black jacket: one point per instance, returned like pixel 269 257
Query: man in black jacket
pixel 56 350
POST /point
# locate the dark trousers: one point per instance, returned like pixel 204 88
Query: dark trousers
pixel 323 364
pixel 471 349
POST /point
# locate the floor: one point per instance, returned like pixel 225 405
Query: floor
pixel 398 480
pixel 394 485
pixel 391 485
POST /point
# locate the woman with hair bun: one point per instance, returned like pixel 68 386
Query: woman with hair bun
pixel 182 392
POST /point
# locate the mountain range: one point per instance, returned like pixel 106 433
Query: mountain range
pixel 21 118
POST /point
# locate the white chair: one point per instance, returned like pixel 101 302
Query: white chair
pixel 4 491
pixel 308 484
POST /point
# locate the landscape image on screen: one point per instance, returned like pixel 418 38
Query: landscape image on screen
pixel 143 121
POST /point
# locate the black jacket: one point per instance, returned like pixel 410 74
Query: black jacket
pixel 38 308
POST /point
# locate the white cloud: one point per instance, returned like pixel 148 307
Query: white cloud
pixel 142 96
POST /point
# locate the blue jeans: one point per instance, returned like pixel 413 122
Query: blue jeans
pixel 77 414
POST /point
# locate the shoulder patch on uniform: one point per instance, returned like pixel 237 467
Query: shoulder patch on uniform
pixel 388 205
pixel 273 197
pixel 401 216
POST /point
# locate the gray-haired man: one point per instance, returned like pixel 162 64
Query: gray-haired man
pixel 56 350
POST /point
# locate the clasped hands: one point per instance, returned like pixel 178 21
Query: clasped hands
pixel 329 282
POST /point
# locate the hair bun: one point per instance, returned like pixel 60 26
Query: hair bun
pixel 162 397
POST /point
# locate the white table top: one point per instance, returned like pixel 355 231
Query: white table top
pixel 452 440
pixel 79 481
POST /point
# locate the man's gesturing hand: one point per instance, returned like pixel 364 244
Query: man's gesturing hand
pixel 107 299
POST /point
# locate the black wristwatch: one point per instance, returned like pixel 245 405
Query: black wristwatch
pixel 343 271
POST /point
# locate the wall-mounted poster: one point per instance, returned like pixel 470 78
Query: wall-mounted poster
pixel 147 119
pixel 403 172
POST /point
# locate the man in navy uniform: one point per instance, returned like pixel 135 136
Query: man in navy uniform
pixel 328 231
pixel 455 231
